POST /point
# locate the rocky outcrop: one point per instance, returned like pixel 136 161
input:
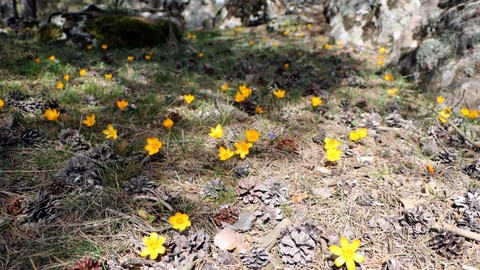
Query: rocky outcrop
pixel 199 14
pixel 440 48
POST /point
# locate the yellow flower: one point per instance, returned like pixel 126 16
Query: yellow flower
pixel 380 62
pixel 148 57
pixel 393 91
pixel 225 154
pixel 286 65
pixel 362 132
pixel 448 109
pixel 52 57
pixel 339 44
pixel 200 55
pixel 242 148
pixel 252 135
pixel 246 91
pixel 239 97
pixel 465 111
pixel 89 46
pixel 216 132
pixel 388 77
pixel 51 114
pixel 110 132
pixel 153 245
pixel 440 99
pixel 279 93
pixel 60 85
pixel 346 253
pixel 251 42
pixel 309 25
pixel 443 116
pixel 274 44
pixel 327 47
pixel 122 104
pixel 179 221
pixel 225 87
pixel 36 60
pixel 89 120
pixel 153 146
pixel 354 136
pixel 188 98
pixel 317 101
pixel 1 103
pixel 331 144
pixel 333 154
pixel 168 123
pixel 259 109
pixel 66 77
pixel 130 58
pixel 381 50
pixel 82 72
pixel 285 33
pixel 108 76
pixel 104 46
pixel 473 114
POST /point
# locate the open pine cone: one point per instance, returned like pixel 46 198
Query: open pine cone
pixel 31 136
pixel 417 220
pixel 446 157
pixel 80 170
pixel 249 190
pixel 469 206
pixel 214 188
pixel 74 139
pixel 275 192
pixel 473 170
pixel 268 214
pixel 255 258
pixel 44 209
pixel 227 215
pixel 138 185
pixel 194 246
pixel 296 245
pixel 448 244
pixel 86 263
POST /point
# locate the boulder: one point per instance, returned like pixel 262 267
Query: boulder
pixel 440 48
pixel 199 14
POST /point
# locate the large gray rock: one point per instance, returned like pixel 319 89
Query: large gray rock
pixel 440 48
pixel 199 14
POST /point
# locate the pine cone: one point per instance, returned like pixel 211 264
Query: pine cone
pixel 371 121
pixel 473 170
pixel 268 214
pixel 226 215
pixel 345 104
pixel 447 158
pixel 30 105
pixel 31 136
pixel 448 244
pixel 175 116
pixel 74 139
pixel 469 205
pixel 7 137
pixel 347 118
pixel 79 171
pixel 249 191
pixel 17 95
pixel 51 104
pixel 319 138
pixel 275 192
pixel 287 144
pixel 241 170
pixel 296 245
pixel 100 153
pixel 17 205
pixel 138 185
pixel 44 209
pixel 417 220
pixel 214 188
pixel 86 263
pixel 254 259
pixel 183 248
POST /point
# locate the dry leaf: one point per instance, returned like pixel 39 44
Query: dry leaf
pixel 299 197
pixel 228 239
pixel 430 169
pixel 409 203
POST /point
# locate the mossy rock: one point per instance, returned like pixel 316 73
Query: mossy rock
pixel 131 32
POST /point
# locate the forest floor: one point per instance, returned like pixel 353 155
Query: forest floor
pixel 67 192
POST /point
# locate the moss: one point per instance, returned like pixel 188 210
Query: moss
pixel 48 33
pixel 131 32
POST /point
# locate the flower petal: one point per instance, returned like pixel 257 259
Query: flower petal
pixel 336 250
pixel 153 237
pixel 145 252
pixel 339 261
pixel 154 255
pixel 161 250
pixel 162 240
pixel 350 264
pixel 344 243
pixel 359 258
pixel 146 240
pixel 354 245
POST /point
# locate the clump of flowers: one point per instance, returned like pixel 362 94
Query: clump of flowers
pixel 168 123
pixel 388 77
pixel 110 132
pixel 153 146
pixel 444 114
pixel 66 77
pixel 60 85
pixel 82 72
pixel 393 91
pixel 216 132
pixel 108 76
pixel 346 253
pixel 381 56
pixel 188 98
pixel 259 109
pixel 243 93
pixel 122 104
pixel 225 153
pixel 50 114
pixel 327 47
pixel 440 99
pixel 472 114
pixel 279 93
pixel 153 245
pixel 331 147
pixel 358 134
pixel 179 221
pixel 89 120
pixel 243 148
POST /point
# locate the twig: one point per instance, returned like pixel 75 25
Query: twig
pixel 456 230
pixel 135 220
pixel 460 132
pixel 155 199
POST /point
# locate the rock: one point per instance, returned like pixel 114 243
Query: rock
pixel 439 47
pixel 199 14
